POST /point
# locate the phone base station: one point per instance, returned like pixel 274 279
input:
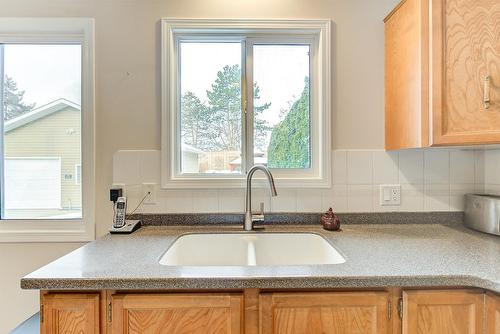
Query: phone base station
pixel 129 227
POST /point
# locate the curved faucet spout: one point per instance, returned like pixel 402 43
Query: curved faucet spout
pixel 249 218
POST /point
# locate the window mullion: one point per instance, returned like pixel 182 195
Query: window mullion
pixel 249 119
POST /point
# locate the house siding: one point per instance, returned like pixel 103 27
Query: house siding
pixel 55 135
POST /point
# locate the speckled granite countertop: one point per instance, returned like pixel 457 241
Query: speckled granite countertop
pixel 376 256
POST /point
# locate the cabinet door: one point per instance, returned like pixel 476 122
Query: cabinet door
pixel 407 76
pixel 443 311
pixel 493 313
pixel 201 313
pixel 322 312
pixel 70 313
pixel 465 52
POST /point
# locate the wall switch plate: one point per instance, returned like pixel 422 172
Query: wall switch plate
pixel 390 194
pixel 151 189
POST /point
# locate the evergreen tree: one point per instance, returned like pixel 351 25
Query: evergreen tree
pixel 193 120
pixel 289 146
pixel 217 125
pixel 13 104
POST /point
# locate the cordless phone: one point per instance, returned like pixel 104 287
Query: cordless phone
pixel 119 214
pixel 120 224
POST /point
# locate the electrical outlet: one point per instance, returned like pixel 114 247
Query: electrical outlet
pixel 149 193
pixel 390 194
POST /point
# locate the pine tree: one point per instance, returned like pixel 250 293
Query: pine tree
pixel 13 104
pixel 224 103
pixel 289 146
pixel 193 121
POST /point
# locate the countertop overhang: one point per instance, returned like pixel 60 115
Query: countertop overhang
pixel 377 255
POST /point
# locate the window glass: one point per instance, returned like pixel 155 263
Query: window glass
pixel 42 131
pixel 281 106
pixel 211 120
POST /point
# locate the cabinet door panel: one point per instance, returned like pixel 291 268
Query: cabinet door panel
pixel 493 313
pixel 70 313
pixel 328 313
pixel 177 313
pixel 466 49
pixel 443 311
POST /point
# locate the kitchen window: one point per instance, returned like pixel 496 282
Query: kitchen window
pixel 46 132
pixel 241 92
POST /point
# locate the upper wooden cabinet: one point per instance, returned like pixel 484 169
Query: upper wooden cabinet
pixel 442 70
pixel 443 311
pixel 202 313
pixel 324 312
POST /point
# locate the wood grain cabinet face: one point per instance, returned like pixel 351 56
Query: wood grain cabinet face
pixel 321 312
pixel 442 62
pixel 466 51
pixel 70 313
pixel 492 313
pixel 177 313
pixel 443 312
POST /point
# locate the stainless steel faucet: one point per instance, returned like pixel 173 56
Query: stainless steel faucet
pixel 250 218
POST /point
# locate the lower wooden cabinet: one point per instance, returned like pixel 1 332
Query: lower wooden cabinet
pixel 324 312
pixel 493 313
pixel 177 313
pixel 443 311
pixel 460 311
pixel 70 313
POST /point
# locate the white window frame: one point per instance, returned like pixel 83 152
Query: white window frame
pixel 78 180
pixel 314 32
pixel 58 30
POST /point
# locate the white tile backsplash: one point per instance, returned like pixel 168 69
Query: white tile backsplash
pixel 339 164
pixel 436 166
pixel 412 197
pixel 411 166
pixel 431 180
pixel 463 163
pixel 437 197
pixel 359 167
pixel 309 200
pixel 336 198
pixel 360 197
pixel 385 167
pixel 286 201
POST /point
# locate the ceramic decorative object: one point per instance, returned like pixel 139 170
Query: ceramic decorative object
pixel 330 221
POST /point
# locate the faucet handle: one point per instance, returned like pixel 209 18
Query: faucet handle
pixel 259 216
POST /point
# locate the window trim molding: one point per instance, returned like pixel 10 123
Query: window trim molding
pixel 60 30
pixel 320 28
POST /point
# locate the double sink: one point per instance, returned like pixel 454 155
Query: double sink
pixel 251 249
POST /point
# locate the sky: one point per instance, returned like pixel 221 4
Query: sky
pixel 279 71
pixel 45 72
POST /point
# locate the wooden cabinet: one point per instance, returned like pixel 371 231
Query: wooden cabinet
pixel 324 312
pixel 492 313
pixel 457 311
pixel 442 73
pixel 443 311
pixel 177 313
pixel 70 313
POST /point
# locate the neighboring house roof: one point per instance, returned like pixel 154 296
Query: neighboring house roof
pixel 191 149
pixel 38 113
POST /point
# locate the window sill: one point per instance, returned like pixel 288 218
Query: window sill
pixel 18 231
pixel 240 182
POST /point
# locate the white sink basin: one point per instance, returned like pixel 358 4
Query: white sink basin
pixel 251 249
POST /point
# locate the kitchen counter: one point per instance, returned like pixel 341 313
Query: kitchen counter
pixel 376 255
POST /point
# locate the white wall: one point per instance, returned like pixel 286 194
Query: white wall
pixel 128 91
